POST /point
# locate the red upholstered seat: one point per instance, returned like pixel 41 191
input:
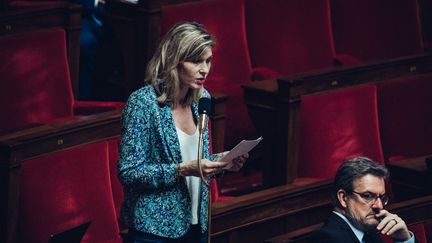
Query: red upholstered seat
pixel 335 126
pixel 230 64
pixel 61 190
pixel 116 186
pixel 289 36
pixel 37 91
pixel 36 83
pixel 375 30
pixel 405 116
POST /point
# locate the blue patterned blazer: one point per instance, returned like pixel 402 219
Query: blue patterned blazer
pixel 155 200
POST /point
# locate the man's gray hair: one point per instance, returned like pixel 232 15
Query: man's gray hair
pixel 353 169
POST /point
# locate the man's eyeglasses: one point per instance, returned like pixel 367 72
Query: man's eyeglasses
pixel 371 198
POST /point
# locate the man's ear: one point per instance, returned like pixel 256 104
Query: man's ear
pixel 342 198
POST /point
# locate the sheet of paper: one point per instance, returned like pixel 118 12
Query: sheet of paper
pixel 241 148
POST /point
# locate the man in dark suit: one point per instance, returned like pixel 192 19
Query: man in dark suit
pixel 90 40
pixel 358 214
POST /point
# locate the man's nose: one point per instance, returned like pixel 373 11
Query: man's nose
pixel 378 204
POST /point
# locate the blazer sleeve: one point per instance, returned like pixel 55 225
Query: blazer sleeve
pixel 139 166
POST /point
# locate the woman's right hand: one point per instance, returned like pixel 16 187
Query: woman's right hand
pixel 209 168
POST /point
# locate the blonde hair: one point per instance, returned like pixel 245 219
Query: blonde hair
pixel 183 42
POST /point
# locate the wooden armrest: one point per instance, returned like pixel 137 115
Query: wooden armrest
pixel 44 139
pixel 306 83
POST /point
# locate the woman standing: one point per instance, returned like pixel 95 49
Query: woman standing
pixel 165 200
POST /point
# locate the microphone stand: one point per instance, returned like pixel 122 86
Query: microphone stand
pixel 200 145
pixel 204 107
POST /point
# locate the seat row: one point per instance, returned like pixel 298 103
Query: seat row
pixel 371 110
pixel 259 39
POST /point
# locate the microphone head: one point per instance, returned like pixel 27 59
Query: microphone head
pixel 204 106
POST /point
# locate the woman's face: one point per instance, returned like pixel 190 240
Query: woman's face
pixel 193 74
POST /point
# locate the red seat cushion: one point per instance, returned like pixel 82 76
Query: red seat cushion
pixel 64 189
pixel 116 186
pixel 335 126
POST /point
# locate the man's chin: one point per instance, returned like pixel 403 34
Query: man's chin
pixel 371 222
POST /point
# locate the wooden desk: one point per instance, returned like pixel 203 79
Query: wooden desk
pixel 411 178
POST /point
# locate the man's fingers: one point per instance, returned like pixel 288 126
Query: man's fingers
pixel 388 225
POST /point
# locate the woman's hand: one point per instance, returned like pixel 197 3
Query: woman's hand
pixel 209 168
pixel 237 163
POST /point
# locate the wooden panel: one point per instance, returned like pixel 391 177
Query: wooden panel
pixel 136 27
pixel 411 178
pixel 260 215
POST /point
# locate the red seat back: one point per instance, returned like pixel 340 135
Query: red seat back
pixel 417 229
pixel 35 75
pixel 374 30
pixel 289 36
pixel 116 186
pixel 405 116
pixel 230 64
pixel 335 126
pixel 61 190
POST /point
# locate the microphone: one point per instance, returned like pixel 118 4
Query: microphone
pixel 204 107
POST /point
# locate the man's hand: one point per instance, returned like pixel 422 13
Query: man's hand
pixel 393 225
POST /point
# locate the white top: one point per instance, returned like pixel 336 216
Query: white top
pixel 189 151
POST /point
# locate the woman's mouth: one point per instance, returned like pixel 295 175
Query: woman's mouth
pixel 200 81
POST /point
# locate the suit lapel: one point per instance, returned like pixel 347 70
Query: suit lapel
pixel 344 226
pixel 167 128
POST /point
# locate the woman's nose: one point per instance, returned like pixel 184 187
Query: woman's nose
pixel 204 68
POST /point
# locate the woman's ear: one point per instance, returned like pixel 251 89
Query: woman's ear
pixel 342 198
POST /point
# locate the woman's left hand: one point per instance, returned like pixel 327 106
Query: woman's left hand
pixel 237 163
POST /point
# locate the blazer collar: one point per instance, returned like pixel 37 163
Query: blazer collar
pixel 169 131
